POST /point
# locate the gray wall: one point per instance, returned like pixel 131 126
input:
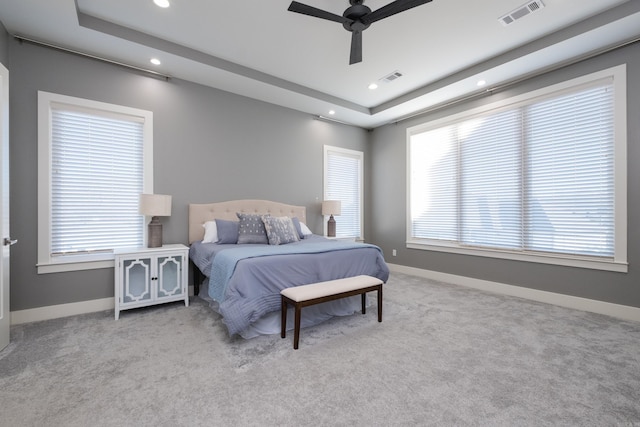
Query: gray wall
pixel 209 145
pixel 389 203
pixel 4 45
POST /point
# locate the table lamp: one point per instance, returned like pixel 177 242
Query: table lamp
pixel 331 208
pixel 155 205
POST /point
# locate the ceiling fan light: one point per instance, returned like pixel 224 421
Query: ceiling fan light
pixel 162 3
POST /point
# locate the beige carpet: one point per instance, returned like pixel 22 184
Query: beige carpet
pixel 443 355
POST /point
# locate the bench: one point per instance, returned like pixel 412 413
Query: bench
pixel 316 293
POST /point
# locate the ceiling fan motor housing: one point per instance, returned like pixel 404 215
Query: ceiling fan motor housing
pixel 355 12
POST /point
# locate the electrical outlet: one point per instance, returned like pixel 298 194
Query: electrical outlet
pixel 393 252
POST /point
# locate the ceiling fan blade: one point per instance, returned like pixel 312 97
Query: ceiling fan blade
pixel 391 9
pixel 317 13
pixel 356 47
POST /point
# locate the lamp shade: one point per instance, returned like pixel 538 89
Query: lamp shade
pixel 155 205
pixel 331 207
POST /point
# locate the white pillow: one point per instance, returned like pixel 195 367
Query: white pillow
pixel 210 232
pixel 305 229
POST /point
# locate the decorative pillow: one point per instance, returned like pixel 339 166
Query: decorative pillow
pixel 251 229
pixel 305 229
pixel 296 224
pixel 227 231
pixel 210 232
pixel 280 230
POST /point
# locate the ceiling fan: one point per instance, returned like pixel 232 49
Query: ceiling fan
pixel 357 18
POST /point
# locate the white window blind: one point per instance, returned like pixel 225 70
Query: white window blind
pixel 343 181
pixel 434 185
pixel 569 184
pixel 490 179
pixel 96 180
pixel 535 177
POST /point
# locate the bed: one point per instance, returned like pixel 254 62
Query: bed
pixel 242 280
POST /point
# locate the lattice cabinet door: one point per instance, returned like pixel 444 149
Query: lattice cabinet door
pixel 136 280
pixel 169 276
pixel 147 276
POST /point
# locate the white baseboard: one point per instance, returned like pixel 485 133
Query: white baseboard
pixel 61 310
pixel 64 310
pixel 601 307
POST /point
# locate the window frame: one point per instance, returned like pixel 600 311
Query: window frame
pixel 619 261
pixel 46 101
pixel 359 155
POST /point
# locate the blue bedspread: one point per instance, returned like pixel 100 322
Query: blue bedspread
pixel 246 280
pixel 225 262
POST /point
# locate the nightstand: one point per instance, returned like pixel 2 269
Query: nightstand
pixel 148 276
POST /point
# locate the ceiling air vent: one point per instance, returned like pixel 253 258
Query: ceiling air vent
pixel 391 77
pixel 521 12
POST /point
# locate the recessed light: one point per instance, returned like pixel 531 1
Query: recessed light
pixel 161 3
pixel 331 112
pixel 481 83
pixel 155 61
pixel 373 86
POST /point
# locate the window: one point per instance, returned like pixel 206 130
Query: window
pixel 94 161
pixel 541 177
pixel 343 172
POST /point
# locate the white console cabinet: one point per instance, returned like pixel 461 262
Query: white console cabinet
pixel 147 276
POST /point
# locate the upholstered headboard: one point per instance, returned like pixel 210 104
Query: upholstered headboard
pixel 201 213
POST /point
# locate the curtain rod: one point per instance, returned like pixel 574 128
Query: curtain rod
pixel 490 91
pixel 88 55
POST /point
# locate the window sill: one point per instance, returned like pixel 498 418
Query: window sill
pixel 344 239
pixel 553 259
pixel 76 263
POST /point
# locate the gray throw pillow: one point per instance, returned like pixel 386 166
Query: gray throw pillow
pixel 227 231
pixel 296 224
pixel 251 229
pixel 280 230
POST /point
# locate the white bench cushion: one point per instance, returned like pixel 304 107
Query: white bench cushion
pixel 330 287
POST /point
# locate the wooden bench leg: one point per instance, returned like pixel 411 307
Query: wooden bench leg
pixel 283 320
pixel 380 303
pixel 296 331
